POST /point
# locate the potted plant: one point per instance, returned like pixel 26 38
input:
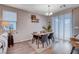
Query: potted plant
pixel 48 28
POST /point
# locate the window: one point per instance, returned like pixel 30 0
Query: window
pixel 9 16
pixel 9 21
pixel 62 26
pixel 55 26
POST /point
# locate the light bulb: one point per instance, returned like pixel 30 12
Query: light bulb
pixel 49 14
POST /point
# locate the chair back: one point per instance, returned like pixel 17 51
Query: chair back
pixel 44 38
pixel 50 36
pixel 34 36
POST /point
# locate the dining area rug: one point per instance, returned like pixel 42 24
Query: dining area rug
pixel 40 49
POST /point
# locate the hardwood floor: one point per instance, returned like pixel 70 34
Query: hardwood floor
pixel 62 47
pixel 59 47
pixel 20 48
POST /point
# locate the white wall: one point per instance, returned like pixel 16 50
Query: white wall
pixel 25 27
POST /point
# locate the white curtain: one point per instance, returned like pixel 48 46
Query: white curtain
pixel 62 26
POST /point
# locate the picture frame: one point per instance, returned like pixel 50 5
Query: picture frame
pixel 34 19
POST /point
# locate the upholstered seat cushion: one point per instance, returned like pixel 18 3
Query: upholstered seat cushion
pixel 0 47
pixel 77 37
pixel 75 42
pixel 3 39
pixel 0 44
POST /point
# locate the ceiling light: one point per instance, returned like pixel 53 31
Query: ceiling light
pixel 49 13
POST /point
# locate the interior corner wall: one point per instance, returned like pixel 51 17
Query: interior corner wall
pixel 24 26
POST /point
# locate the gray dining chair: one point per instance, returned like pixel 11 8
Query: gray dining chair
pixel 34 38
pixel 51 37
pixel 44 39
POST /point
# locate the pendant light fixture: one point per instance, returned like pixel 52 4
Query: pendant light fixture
pixel 49 13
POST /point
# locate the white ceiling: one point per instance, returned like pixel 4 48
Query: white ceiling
pixel 42 8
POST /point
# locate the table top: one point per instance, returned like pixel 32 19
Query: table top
pixel 41 33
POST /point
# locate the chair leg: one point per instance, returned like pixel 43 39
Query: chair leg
pixel 72 50
pixel 53 37
pixel 32 40
pixel 49 41
pixel 38 43
pixel 78 51
pixel 43 45
pixel 52 40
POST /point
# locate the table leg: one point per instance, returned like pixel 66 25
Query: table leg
pixel 72 50
pixel 32 40
pixel 38 42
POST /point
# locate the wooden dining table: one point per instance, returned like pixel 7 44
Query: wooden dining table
pixel 39 35
pixel 75 44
